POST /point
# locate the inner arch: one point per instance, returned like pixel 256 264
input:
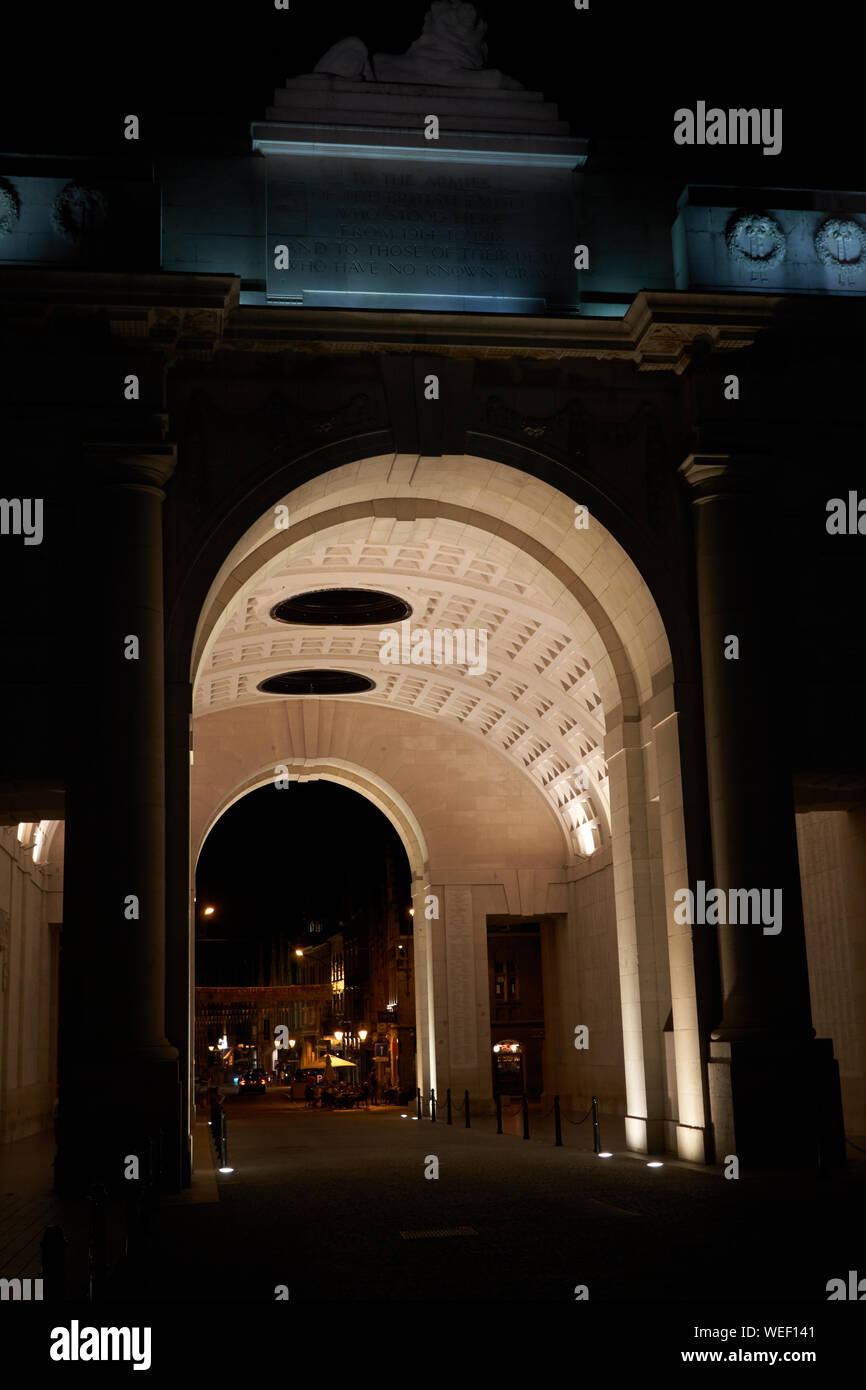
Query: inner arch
pixel 575 635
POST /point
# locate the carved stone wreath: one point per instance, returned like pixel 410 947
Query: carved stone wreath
pixel 765 237
pixel 830 239
pixel 78 211
pixel 10 207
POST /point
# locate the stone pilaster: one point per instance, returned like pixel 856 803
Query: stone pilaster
pixel 119 1073
pixel 766 1067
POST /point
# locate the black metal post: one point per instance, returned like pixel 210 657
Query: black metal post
pixel 466 1106
pixel 557 1123
pixel 96 1252
pixel 433 1106
pixel 525 1116
pixel 595 1134
pixel 419 1102
pixel 498 1113
pixel 448 1103
pixel 53 1264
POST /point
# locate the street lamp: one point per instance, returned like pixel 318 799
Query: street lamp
pixel 362 1034
pixel 209 911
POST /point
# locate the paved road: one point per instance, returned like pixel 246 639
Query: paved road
pixel 318 1203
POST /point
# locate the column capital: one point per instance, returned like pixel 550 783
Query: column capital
pixel 710 476
pixel 131 464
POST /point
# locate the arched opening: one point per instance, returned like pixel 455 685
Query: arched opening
pixel 301 970
pixel 32 855
pixel 532 775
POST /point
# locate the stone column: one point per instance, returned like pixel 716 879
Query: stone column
pixel 465 1056
pixel 180 888
pixel 643 1006
pixel 422 965
pixel 692 1112
pixel 119 1073
pixel 765 1034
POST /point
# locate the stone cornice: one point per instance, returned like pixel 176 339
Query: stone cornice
pixel 199 315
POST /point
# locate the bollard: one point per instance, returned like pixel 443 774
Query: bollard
pixel 498 1113
pixel 419 1102
pixel 466 1106
pixel 96 1251
pixel 217 1131
pixel 433 1106
pixel 525 1116
pixel 557 1123
pixel 53 1263
pixel 595 1135
pixel 448 1103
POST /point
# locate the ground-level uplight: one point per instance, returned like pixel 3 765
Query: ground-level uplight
pixel 227 1170
pixel 606 1154
pixel 404 1117
pixel 655 1164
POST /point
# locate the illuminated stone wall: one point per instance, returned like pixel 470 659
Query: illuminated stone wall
pixel 30 902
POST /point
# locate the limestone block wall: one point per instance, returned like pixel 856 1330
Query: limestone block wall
pixel 832 849
pixel 214 216
pixel 30 901
pixel 478 815
pixel 581 986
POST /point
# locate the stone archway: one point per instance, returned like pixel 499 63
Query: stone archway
pixel 385 798
pixel 581 678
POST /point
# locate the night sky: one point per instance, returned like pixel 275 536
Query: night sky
pixel 618 72
pixel 278 858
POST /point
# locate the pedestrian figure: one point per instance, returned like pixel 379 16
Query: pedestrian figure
pixel 374 1090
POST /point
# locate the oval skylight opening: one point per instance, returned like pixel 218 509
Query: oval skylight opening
pixel 316 683
pixel 341 608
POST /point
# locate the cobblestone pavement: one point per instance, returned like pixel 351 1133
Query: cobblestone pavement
pixel 337 1205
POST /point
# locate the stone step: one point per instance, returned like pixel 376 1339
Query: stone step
pixel 448 102
pixel 562 150
pixel 373 120
pixel 324 82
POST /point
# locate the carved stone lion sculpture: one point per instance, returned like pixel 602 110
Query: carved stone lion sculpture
pixel 451 52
